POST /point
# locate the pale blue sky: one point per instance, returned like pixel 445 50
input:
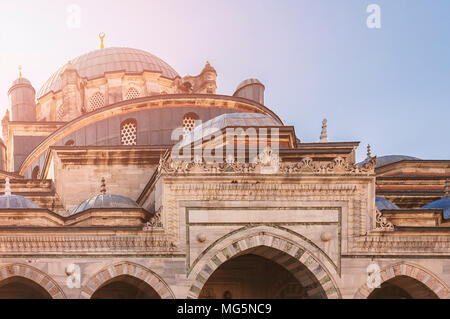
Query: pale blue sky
pixel 389 87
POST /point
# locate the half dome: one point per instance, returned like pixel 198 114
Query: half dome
pixel 97 63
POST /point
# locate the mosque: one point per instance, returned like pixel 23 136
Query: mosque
pixel 95 205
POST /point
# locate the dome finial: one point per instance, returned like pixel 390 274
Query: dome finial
pixel 20 71
pixel 369 151
pixel 102 35
pixel 7 187
pixel 103 187
pixel 324 134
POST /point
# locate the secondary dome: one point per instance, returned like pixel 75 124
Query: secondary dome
pixel 104 200
pixel 441 204
pixel 96 63
pixel 383 203
pixel 15 201
pixel 390 159
pixel 229 120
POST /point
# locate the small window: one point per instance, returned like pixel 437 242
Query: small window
pixel 70 143
pixel 189 122
pixel 96 101
pixel 35 173
pixel 128 132
pixel 132 94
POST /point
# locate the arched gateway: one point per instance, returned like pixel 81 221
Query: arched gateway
pixel 305 276
pixel 126 280
pixel 19 281
pixel 405 281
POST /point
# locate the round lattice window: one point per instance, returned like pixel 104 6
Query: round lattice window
pixel 96 101
pixel 188 124
pixel 60 113
pixel 128 133
pixel 132 93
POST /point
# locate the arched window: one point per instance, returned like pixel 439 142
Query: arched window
pixel 96 101
pixel 132 93
pixel 60 113
pixel 35 173
pixel 128 132
pixel 189 122
pixel 70 143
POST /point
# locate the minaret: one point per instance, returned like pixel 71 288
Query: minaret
pixel 22 100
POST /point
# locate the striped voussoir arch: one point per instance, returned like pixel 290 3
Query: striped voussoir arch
pixel 130 269
pixel 296 259
pixel 410 270
pixel 35 275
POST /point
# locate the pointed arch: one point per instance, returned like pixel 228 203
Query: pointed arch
pixel 130 269
pixel 413 271
pixel 293 257
pixel 35 275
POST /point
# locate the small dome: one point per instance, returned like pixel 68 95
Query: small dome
pixel 383 203
pixel 228 120
pixel 440 204
pixel 16 201
pixel 105 201
pixel 95 64
pixel 240 119
pixel 390 159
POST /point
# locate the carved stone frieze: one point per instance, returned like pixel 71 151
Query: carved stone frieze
pixel 268 163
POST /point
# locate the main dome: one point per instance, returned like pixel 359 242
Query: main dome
pixel 95 64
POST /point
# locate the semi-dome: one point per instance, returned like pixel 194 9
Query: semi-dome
pixel 15 201
pixel 390 159
pixel 440 204
pixel 383 203
pixel 96 63
pixel 104 200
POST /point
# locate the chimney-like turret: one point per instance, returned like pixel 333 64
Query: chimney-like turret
pixel 22 101
pixel 251 89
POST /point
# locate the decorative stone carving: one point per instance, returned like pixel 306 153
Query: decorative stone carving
pixel 268 162
pixel 382 224
pixel 154 222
